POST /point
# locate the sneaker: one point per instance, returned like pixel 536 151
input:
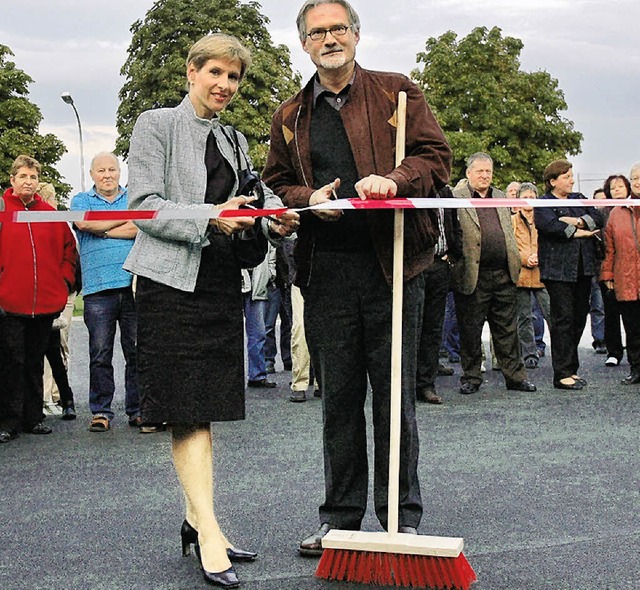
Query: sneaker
pixel 531 362
pixel 612 361
pixel 52 409
pixel 69 413
pixel 483 367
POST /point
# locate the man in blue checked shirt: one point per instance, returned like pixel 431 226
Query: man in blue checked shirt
pixel 107 291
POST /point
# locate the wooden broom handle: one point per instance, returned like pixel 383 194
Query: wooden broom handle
pixel 396 333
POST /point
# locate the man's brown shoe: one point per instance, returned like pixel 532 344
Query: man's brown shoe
pixel 429 395
pixel 444 371
pixel 312 545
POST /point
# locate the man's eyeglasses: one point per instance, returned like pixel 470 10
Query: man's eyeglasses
pixel 335 30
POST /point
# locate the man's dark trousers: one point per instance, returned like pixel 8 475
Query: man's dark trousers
pixel 494 300
pixel 436 290
pixel 348 327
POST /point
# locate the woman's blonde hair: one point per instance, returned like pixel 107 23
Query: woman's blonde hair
pixel 219 46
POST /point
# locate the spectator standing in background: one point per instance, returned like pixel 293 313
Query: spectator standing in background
pixel 596 303
pixel 107 291
pixel 484 281
pixel 568 261
pixel 616 186
pixel 529 284
pixel 37 273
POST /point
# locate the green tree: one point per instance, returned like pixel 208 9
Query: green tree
pixel 484 102
pixel 19 122
pixel 155 68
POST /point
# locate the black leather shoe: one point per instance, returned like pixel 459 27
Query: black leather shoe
pixel 189 537
pixel 429 395
pixel 407 530
pixel 575 386
pixel 468 388
pixel 69 413
pixel 444 371
pixel 265 383
pixel 7 435
pixel 298 396
pixel 312 545
pixel 631 379
pixel 225 579
pixel 235 554
pixel 40 429
pixel 523 385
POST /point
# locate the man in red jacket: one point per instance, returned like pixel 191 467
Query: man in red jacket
pixel 37 273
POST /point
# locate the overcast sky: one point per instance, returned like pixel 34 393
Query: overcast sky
pixel 589 46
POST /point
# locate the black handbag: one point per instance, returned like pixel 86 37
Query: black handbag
pixel 249 246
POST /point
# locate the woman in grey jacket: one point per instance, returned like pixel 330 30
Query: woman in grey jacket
pixel 190 330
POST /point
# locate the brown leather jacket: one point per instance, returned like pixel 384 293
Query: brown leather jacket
pixel 369 118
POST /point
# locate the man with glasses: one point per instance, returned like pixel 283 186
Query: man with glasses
pixel 336 139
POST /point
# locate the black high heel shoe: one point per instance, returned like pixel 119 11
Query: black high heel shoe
pixel 189 537
pixel 225 579
pixel 240 554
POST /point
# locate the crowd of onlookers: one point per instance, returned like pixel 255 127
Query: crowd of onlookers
pixel 273 304
pixel 504 283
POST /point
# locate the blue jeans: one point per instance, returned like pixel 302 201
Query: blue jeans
pixel 254 314
pixel 278 304
pixel 102 312
pixel 596 311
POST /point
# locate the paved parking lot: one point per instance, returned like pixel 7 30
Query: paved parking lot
pixel 544 488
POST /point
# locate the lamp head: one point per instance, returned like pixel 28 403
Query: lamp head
pixel 67 97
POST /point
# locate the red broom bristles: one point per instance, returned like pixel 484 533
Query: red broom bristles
pixel 391 569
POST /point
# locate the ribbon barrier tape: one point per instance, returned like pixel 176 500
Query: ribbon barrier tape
pixel 344 204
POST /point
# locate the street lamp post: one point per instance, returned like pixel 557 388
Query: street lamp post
pixel 66 97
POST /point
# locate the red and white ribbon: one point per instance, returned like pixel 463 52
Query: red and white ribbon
pixel 344 204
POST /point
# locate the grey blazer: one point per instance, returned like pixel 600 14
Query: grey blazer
pixel 167 171
pixel 465 271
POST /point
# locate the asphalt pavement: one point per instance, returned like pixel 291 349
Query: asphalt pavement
pixel 544 488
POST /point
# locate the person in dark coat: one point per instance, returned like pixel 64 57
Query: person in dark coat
pixel 567 259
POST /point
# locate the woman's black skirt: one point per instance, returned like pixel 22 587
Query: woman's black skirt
pixel 190 345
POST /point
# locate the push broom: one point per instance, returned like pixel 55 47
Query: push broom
pixel 392 558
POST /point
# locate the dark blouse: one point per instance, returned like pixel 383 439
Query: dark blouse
pixel 563 257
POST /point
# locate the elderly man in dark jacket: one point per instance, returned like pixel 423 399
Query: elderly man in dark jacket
pixel 485 281
pixel 336 138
